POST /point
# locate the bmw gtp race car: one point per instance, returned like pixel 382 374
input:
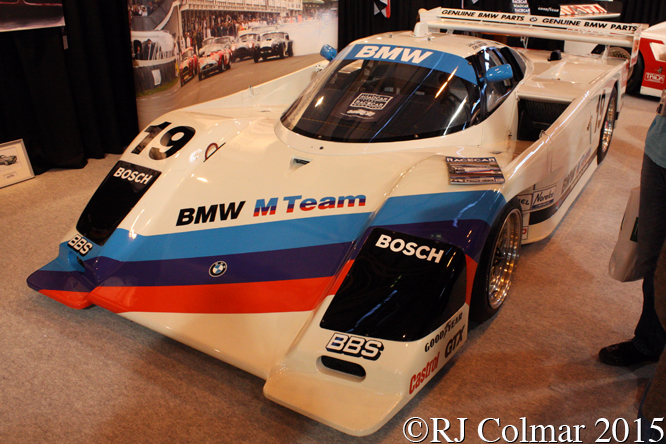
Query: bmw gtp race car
pixel 334 231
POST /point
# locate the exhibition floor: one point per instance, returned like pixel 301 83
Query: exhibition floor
pixel 90 376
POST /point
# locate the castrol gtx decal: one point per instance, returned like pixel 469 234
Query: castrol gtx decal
pixel 429 58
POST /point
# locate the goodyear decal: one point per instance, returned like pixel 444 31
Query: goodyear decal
pixel 425 58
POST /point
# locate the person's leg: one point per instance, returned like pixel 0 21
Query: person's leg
pixel 649 337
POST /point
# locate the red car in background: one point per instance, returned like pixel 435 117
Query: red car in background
pixel 214 58
pixel 189 65
pixel 649 76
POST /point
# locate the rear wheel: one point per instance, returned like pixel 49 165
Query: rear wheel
pixel 497 266
pixel 607 127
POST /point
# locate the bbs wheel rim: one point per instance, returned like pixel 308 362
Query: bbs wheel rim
pixel 609 123
pixel 505 256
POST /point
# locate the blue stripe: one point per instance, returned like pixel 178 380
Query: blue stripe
pixel 441 61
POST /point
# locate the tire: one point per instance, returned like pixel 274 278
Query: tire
pixel 636 77
pixel 200 76
pixel 283 51
pixel 290 51
pixel 497 266
pixel 607 127
pixel 256 59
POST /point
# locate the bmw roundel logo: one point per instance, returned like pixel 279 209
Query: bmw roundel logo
pixel 533 19
pixel 217 269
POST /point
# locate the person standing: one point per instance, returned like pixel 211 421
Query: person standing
pixel 649 336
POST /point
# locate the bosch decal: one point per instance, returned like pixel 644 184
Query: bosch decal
pixel 355 346
pixel 205 214
pixel 398 245
pixel 424 374
pixel 80 244
pixel 269 207
pixel 447 328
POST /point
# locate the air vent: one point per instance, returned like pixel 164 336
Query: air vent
pixel 347 367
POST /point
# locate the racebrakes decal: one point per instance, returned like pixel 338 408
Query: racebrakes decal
pixel 424 374
pixel 80 244
pixel 208 214
pixel 355 346
pixel 474 170
pixel 269 207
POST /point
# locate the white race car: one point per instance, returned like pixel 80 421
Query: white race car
pixel 335 230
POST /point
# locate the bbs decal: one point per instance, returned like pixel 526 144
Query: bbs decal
pixel 80 244
pixel 355 346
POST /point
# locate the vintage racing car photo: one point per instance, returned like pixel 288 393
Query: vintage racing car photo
pixel 189 66
pixel 335 231
pixel 273 44
pixel 7 160
pixel 245 45
pixel 214 58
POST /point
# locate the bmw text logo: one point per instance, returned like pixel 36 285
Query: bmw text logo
pixel 217 269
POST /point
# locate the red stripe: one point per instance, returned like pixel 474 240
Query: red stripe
pixel 255 297
pixel 73 299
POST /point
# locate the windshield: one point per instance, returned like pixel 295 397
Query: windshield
pixel 211 49
pixel 272 35
pixel 387 93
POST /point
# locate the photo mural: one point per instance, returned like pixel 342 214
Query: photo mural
pixel 191 51
pixel 17 15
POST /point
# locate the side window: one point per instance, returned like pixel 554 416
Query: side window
pixel 496 91
pixel 516 61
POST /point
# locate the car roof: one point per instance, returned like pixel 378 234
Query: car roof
pixel 460 45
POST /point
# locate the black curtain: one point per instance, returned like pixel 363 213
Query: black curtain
pixel 69 92
pixel 644 11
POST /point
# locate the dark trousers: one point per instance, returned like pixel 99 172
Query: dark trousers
pixel 649 335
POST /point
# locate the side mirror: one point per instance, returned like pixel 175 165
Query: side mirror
pixel 328 52
pixel 499 73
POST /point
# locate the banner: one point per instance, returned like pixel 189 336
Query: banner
pixel 191 51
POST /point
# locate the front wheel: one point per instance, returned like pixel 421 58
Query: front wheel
pixel 607 127
pixel 497 266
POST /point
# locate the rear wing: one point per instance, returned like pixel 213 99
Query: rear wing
pixel 525 25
